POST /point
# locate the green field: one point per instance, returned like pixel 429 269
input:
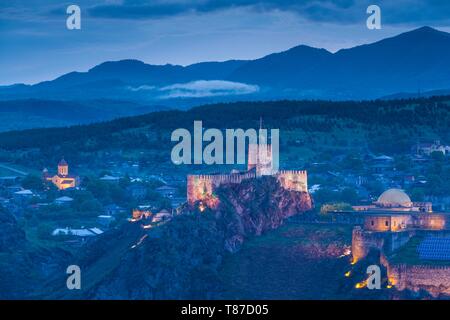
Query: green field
pixel 296 261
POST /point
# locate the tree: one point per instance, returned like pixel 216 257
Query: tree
pixel 44 231
pixel 32 182
pixel 90 205
pixel 339 206
pixel 417 194
pixel 325 195
pixel 438 156
pixel 349 195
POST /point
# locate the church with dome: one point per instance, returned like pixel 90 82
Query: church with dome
pixel 396 200
pixel 394 211
pixel 62 180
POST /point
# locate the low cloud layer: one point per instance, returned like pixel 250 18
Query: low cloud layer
pixel 203 88
pixel 200 89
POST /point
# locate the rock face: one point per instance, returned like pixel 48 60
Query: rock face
pixel 255 206
pixel 180 259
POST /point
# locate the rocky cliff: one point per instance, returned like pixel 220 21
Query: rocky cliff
pixel 255 206
pixel 180 259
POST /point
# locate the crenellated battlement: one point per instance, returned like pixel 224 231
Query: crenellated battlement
pixel 260 163
pixel 295 180
pixel 200 187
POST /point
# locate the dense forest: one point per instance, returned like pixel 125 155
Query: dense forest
pixel 387 126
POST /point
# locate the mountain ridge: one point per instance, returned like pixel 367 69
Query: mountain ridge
pixel 408 62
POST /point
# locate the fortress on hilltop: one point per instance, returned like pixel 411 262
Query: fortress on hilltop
pixel 260 163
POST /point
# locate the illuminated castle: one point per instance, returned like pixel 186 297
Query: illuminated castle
pixel 202 187
pixel 260 159
pixel 62 180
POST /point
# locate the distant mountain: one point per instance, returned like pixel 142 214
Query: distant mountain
pixel 130 80
pixel 412 61
pixel 418 94
pixel 34 113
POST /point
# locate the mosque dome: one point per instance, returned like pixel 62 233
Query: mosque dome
pixel 394 198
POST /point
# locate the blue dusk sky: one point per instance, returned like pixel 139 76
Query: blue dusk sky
pixel 35 44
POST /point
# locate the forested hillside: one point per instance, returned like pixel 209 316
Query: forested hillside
pixel 390 126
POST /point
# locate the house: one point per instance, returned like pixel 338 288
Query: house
pixel 314 188
pixel 163 215
pixel 113 209
pixel 137 191
pixel 82 233
pixel 141 213
pixel 382 164
pixel 429 148
pixel 175 202
pixel 23 195
pixel 13 189
pixel 167 191
pixel 105 220
pixel 111 179
pixel 63 201
pixel 9 180
pixel 441 203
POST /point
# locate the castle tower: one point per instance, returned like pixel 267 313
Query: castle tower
pixel 63 168
pixel 260 155
pixel 260 159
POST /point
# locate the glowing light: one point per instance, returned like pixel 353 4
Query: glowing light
pixel 354 261
pixel 147 226
pixel 346 253
pixel 391 282
pixel 348 274
pixel 361 284
pixel 139 242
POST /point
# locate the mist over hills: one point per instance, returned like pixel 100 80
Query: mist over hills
pixel 397 67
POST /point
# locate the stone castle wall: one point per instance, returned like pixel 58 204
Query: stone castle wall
pixel 431 221
pixel 434 279
pixel 386 242
pixel 295 180
pixel 363 242
pixel 386 222
pixel 200 187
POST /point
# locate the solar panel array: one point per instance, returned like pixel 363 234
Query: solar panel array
pixel 434 248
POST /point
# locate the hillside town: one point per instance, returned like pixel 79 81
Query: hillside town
pixel 60 205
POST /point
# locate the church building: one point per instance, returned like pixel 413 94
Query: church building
pixel 62 180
